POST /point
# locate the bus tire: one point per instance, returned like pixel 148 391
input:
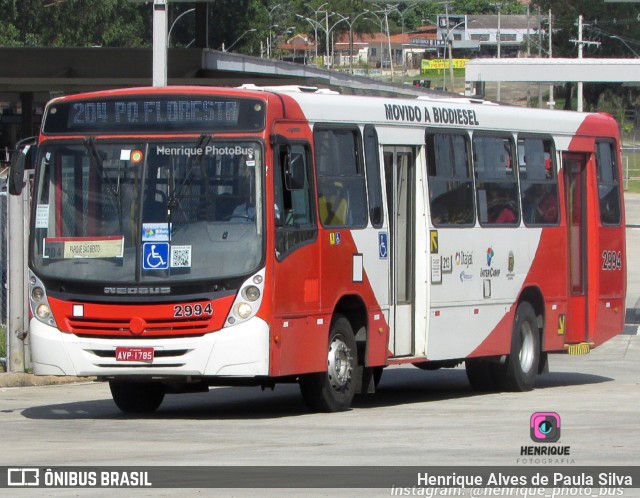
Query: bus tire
pixel 521 366
pixel 137 397
pixel 482 374
pixel 333 390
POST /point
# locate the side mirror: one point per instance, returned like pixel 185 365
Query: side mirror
pixel 16 171
pixel 23 159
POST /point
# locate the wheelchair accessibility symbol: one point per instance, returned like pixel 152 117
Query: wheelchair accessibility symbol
pixel 383 250
pixel 155 256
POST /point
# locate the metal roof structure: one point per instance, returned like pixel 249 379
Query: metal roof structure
pixel 29 77
pixel 556 70
pixel 46 71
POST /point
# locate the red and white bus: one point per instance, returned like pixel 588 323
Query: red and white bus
pixel 186 237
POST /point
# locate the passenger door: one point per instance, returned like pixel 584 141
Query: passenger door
pixel 399 168
pixel 575 171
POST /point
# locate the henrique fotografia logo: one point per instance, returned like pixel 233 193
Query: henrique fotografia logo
pixel 545 427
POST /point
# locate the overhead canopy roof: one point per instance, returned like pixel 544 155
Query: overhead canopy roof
pixel 72 70
pixel 554 70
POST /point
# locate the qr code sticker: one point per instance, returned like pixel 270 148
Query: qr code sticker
pixel 180 256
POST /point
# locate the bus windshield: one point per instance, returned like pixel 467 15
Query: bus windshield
pixel 132 211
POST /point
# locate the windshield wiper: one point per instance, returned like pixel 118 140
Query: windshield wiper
pixel 176 193
pixel 114 191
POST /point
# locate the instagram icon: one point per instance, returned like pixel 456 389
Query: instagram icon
pixel 545 427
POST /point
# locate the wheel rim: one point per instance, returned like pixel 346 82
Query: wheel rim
pixel 339 363
pixel 527 350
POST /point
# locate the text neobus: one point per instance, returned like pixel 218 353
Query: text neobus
pixel 440 115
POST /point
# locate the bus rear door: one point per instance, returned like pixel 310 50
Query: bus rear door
pixel 577 324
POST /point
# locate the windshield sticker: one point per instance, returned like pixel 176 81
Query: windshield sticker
pixel 155 256
pixel 125 154
pixel 152 232
pixel 80 247
pixel 42 216
pixel 180 256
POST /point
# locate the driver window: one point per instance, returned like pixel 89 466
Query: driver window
pixel 294 217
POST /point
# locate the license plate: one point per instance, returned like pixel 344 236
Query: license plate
pixel 144 355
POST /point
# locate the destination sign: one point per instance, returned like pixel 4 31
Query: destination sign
pixel 157 113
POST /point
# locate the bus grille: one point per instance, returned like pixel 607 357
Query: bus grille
pixel 153 327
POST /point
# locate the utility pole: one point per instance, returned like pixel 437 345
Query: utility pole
pixel 552 103
pixel 580 57
pixel 540 105
pixel 528 51
pixel 498 40
pixel 16 316
pixel 581 44
pixel 446 44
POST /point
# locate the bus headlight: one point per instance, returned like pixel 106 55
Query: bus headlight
pixel 39 302
pixel 37 293
pixel 244 310
pixel 251 293
pixel 43 312
pixel 247 301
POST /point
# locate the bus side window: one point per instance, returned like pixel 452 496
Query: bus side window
pixel 294 216
pixel 341 184
pixel 450 180
pixel 496 183
pixel 372 162
pixel 538 181
pixel 608 186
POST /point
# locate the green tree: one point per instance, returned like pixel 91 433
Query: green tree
pixel 615 28
pixel 488 7
pixel 74 23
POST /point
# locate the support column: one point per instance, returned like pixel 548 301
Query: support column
pixel 159 42
pixel 26 99
pixel 17 298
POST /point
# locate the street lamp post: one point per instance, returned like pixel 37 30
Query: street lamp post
pixel 449 47
pixel 402 13
pixel 238 39
pixel 351 22
pixel 381 32
pixel 174 23
pixel 270 14
pixel 314 22
pixel 326 29
pixel 386 10
pixel 315 25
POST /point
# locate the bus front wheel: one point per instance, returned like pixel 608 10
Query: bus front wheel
pixel 333 390
pixel 137 397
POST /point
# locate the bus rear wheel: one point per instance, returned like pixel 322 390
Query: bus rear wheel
pixel 333 390
pixel 521 367
pixel 137 397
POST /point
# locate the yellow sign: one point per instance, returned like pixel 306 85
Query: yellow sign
pixel 433 236
pixel 437 64
pixel 561 323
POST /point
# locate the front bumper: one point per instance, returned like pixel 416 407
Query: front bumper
pixel 238 351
